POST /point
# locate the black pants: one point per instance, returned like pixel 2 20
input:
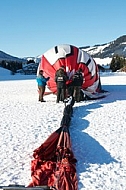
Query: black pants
pixel 70 90
pixel 76 93
pixel 61 94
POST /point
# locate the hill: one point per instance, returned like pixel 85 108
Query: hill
pixel 102 51
pixel 109 49
pixel 6 57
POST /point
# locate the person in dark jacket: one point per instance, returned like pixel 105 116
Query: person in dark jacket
pixel 41 81
pixel 60 79
pixel 77 83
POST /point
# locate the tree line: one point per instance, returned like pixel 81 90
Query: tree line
pixel 11 65
pixel 118 63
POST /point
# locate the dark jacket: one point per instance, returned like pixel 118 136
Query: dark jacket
pixel 60 78
pixel 77 79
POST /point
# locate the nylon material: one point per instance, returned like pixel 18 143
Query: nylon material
pixel 52 56
pixel 93 88
pixel 83 57
pixel 77 58
pixel 70 73
pixel 47 67
pixel 64 50
pixel 89 81
pixel 58 64
pixel 54 163
pixel 92 68
pixel 71 63
pixel 38 69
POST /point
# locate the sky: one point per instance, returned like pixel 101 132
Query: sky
pixel 31 27
pixel 97 131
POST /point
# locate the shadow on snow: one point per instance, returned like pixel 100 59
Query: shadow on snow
pixel 90 151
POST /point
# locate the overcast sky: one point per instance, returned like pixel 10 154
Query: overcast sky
pixel 31 27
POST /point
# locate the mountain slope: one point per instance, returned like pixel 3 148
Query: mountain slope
pixel 6 57
pixel 102 51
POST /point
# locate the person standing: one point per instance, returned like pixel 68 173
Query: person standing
pixel 41 81
pixel 60 79
pixel 77 83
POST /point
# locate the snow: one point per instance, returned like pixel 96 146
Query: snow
pixel 98 131
pixel 96 49
pixel 103 62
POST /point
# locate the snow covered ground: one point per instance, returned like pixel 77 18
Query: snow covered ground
pixel 98 132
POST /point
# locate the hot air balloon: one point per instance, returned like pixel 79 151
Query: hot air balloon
pixel 54 164
pixel 72 58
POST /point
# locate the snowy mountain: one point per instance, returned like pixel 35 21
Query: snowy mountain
pixel 102 51
pixel 6 57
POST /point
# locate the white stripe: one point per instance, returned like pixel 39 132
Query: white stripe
pixel 94 87
pixel 52 56
pixel 84 57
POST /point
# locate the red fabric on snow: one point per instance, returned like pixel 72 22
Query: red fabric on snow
pixel 54 163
